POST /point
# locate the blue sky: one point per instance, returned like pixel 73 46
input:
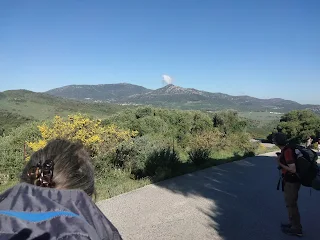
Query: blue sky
pixel 260 48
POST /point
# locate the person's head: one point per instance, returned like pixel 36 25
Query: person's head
pixel 280 139
pixel 61 164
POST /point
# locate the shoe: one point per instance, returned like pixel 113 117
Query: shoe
pixel 292 232
pixel 286 225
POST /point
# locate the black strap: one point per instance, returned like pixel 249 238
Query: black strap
pixel 281 180
pixel 278 185
pixel 282 184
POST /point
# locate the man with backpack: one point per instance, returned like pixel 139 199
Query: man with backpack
pixel 299 167
pixel 290 183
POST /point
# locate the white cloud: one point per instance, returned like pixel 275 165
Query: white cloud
pixel 167 79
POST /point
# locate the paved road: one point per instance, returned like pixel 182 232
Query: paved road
pixel 267 145
pixel 235 201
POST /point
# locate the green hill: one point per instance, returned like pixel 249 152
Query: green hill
pixel 22 106
pixel 101 92
pixel 10 120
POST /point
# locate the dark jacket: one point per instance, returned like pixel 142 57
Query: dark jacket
pixel 86 220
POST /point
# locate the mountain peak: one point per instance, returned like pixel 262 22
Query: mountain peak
pixel 173 89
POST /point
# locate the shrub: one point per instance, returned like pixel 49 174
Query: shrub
pixel 199 155
pixel 12 148
pixel 249 154
pixel 11 162
pixel 103 165
pixel 239 142
pixel 143 112
pixel 162 161
pixel 96 138
pixel 142 155
pixel 207 140
pixel 4 178
pixel 132 155
pixel 201 122
pixel 229 122
pixel 168 123
pixel 152 125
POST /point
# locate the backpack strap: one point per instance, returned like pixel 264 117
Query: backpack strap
pixel 280 181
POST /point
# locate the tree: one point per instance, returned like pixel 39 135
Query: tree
pixel 229 122
pixel 201 122
pixel 299 125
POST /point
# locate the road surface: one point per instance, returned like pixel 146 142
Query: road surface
pixel 234 201
pixel 267 145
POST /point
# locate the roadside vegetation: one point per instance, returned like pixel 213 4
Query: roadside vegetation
pixel 135 147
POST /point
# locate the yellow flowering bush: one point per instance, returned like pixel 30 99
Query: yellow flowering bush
pixel 35 146
pixel 89 132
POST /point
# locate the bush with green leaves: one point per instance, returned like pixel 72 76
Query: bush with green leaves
pixel 103 164
pixel 240 143
pixel 133 155
pixel 147 156
pixel 213 140
pixel 176 124
pixel 12 148
pixel 229 122
pixel 199 155
pixel 249 154
pixel 162 162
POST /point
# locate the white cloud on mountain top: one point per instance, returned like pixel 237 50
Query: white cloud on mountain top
pixel 167 79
